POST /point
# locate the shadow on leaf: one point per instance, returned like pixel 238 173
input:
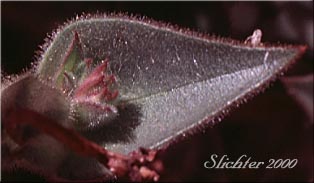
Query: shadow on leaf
pixel 120 129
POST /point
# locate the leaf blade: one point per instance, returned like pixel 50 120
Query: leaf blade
pixel 174 80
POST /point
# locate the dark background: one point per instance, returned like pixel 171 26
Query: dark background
pixel 272 125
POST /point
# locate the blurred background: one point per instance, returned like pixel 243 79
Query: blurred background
pixel 275 124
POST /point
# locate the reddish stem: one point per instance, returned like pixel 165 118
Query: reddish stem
pixel 69 137
pixel 132 167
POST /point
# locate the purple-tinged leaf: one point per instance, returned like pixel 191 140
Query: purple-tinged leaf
pixel 37 122
pixel 39 138
pixel 28 92
pixel 171 82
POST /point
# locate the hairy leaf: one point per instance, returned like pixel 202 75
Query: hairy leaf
pixel 171 82
pixel 30 93
pixel 25 149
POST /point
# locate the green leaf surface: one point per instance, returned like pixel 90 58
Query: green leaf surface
pixel 171 82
